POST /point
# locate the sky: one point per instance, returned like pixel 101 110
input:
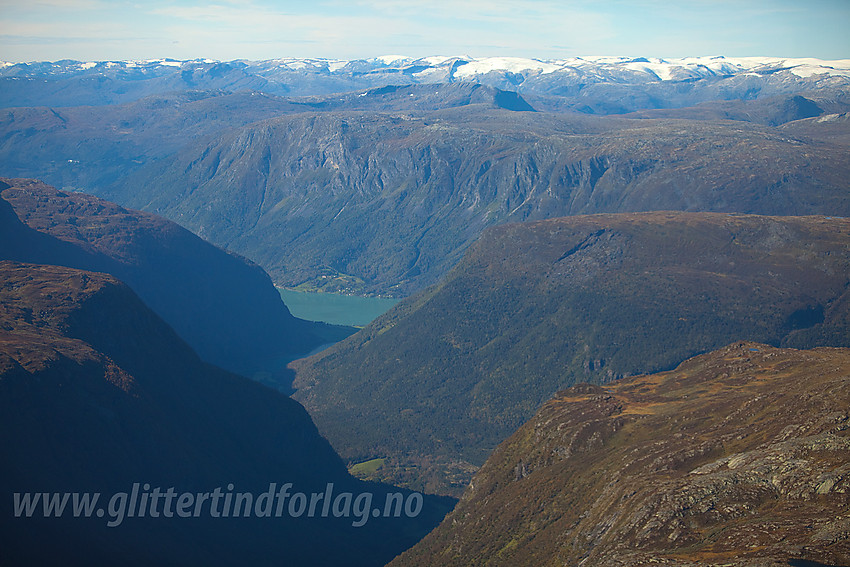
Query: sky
pixel 96 30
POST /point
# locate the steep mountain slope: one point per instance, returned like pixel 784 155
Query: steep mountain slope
pixel 442 378
pixel 98 393
pixel 738 457
pixel 394 200
pixel 221 304
pixel 93 146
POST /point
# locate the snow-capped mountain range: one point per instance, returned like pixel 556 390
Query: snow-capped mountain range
pixel 461 67
pixel 61 83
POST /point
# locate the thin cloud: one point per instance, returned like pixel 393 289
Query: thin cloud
pixel 55 4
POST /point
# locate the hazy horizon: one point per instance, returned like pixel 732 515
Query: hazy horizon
pixel 96 30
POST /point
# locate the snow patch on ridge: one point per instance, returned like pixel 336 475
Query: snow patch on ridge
pixel 508 64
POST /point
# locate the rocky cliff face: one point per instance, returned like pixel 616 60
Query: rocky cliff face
pixel 535 307
pixel 737 457
pixel 221 304
pixel 98 393
pixel 394 199
pixel 91 147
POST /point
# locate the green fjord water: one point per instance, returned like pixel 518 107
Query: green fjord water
pixel 335 308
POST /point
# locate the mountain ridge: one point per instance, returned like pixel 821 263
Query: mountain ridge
pixel 439 380
pixel 424 186
pixel 737 457
pixel 222 304
pixel 416 157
